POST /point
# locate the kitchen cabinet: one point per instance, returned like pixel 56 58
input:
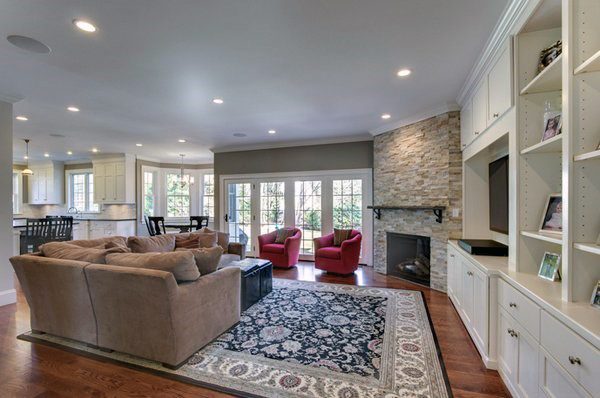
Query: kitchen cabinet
pixel 114 180
pixel 480 108
pixel 46 185
pixel 500 86
pixel 466 124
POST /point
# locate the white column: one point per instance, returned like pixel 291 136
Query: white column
pixel 7 290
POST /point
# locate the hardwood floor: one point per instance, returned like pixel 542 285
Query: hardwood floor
pixel 33 370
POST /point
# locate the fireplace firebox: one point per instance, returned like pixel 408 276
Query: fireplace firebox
pixel 408 257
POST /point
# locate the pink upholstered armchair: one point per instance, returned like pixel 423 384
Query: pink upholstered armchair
pixel 338 259
pixel 282 255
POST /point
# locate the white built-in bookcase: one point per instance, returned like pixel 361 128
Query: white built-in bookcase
pixel 569 163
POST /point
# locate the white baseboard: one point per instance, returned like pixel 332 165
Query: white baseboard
pixel 8 297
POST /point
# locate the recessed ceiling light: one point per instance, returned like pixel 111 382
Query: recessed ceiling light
pixel 25 157
pixel 139 144
pixel 28 44
pixel 84 25
pixel 94 150
pixel 218 101
pixel 272 131
pixel 404 72
pixel 69 152
pixel 22 118
pixel 46 155
pixel 239 135
pixel 55 135
pixel 73 109
pixel 181 140
pixel 386 116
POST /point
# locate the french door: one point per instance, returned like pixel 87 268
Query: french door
pixel 313 203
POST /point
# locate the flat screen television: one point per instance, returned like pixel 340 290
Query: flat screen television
pixel 498 181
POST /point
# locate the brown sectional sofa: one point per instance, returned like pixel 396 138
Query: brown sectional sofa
pixel 138 311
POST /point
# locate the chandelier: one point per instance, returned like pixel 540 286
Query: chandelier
pixel 183 182
pixel 27 171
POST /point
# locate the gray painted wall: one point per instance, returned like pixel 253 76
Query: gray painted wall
pixel 350 155
pixel 7 292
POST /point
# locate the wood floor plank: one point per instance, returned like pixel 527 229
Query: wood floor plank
pixel 33 370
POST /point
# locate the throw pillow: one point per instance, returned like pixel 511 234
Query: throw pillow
pixel 283 234
pixel 187 241
pixel 206 239
pixel 159 243
pixel 340 235
pixel 68 251
pixel 222 238
pixel 207 259
pixel 180 264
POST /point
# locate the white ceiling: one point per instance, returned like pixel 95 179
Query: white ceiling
pixel 310 69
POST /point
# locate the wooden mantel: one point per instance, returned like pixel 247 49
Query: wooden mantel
pixel 437 210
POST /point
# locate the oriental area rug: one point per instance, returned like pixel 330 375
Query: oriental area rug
pixel 309 339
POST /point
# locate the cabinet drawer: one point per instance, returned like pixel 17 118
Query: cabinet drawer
pixel 520 307
pixel 577 356
pixel 555 382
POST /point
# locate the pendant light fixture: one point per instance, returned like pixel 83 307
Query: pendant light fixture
pixel 27 171
pixel 182 181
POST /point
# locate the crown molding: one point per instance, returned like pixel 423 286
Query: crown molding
pixel 324 141
pixel 512 13
pixel 438 110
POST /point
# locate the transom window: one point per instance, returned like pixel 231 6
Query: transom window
pixel 81 192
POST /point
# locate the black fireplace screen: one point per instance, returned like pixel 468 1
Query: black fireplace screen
pixel 408 257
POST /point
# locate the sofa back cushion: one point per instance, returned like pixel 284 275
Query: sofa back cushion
pixel 108 242
pixel 222 238
pixel 68 251
pixel 180 263
pixel 207 259
pixel 187 241
pixel 159 243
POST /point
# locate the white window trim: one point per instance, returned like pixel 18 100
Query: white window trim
pixel 69 189
pixel 327 177
pixel 19 209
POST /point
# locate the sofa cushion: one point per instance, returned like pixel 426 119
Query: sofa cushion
pixel 273 248
pixel 283 234
pixel 222 238
pixel 207 259
pixel 228 258
pixel 159 243
pixel 187 241
pixel 68 251
pixel 332 252
pixel 108 242
pixel 340 235
pixel 180 263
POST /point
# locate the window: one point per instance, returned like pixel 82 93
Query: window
pixel 272 203
pixel 347 204
pixel 308 212
pixel 208 196
pixel 81 185
pixel 239 216
pixel 149 193
pixel 16 192
pixel 178 195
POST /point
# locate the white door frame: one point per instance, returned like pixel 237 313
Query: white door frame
pixel 327 177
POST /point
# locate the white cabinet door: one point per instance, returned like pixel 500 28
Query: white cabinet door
pixel 451 271
pixel 480 308
pixel 527 364
pixel 110 194
pixel 500 86
pixel 42 185
pixel 480 108
pixel 467 291
pixel 507 347
pixel 99 183
pixel 33 188
pixel 120 188
pixel 466 124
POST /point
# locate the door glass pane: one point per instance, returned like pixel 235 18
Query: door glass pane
pixel 308 212
pixel 239 213
pixel 347 204
pixel 272 203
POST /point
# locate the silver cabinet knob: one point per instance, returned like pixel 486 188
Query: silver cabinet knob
pixel 513 305
pixel 496 114
pixel 574 360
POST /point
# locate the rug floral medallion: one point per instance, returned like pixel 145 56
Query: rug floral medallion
pixel 322 340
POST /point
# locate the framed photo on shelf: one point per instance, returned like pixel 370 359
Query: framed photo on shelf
pixel 552 125
pixel 548 55
pixel 595 301
pixel 552 217
pixel 549 267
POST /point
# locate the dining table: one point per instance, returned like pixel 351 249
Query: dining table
pixel 180 226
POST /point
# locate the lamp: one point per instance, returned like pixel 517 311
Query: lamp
pixel 27 171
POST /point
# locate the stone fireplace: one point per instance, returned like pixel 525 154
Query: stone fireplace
pixel 419 165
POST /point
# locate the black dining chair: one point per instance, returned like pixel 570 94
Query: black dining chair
pixel 198 222
pixel 61 228
pixel 37 232
pixel 156 225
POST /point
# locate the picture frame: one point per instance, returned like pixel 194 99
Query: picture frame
pixel 595 300
pixel 548 55
pixel 551 222
pixel 552 125
pixel 549 268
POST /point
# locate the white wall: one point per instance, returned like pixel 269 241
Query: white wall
pixel 7 290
